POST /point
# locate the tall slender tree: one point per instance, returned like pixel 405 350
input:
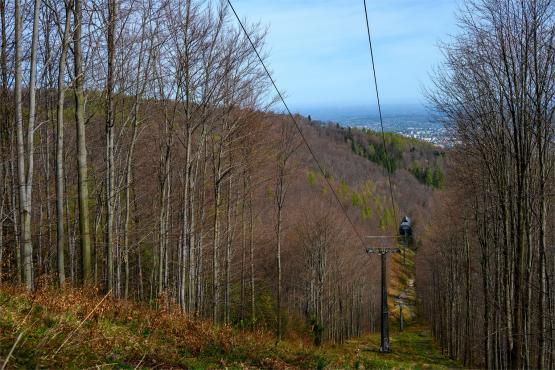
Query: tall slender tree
pixel 82 179
pixel 60 229
pixel 110 170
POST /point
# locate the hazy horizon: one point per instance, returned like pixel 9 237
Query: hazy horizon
pixel 326 112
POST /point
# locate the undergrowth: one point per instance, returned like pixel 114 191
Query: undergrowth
pixel 80 329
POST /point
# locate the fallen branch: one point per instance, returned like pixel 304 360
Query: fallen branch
pixel 13 348
pixel 82 322
pixel 140 362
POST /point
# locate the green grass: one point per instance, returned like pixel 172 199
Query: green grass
pixel 116 334
pixel 412 349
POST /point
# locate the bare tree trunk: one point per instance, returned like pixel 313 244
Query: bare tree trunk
pixel 5 193
pixel 278 266
pixel 191 286
pixel 467 356
pixel 83 191
pixel 97 222
pixel 216 247
pixel 229 241
pixel 166 236
pixel 27 241
pixel 71 242
pixel 164 205
pixel 186 242
pixel 251 257
pixel 47 265
pixel 128 180
pixel 25 155
pixel 187 211
pixel 3 196
pixel 19 130
pixel 15 208
pixel 543 291
pixel 60 240
pixel 243 250
pixel 200 249
pixel 110 171
pixel 161 239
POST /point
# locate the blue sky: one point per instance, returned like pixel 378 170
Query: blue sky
pixel 318 49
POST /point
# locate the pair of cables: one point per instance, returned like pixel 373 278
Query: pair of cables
pixel 344 210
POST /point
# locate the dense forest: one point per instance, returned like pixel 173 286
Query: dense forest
pixel 143 158
pixel 139 156
pixel 489 288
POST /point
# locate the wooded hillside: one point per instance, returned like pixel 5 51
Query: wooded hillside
pixel 490 255
pixel 137 157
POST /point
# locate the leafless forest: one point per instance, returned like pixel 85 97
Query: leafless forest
pixel 489 292
pixel 138 156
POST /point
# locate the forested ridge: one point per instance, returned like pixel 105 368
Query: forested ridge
pixel 154 200
pixel 141 163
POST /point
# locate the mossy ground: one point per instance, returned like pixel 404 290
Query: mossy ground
pixel 75 329
pixel 412 349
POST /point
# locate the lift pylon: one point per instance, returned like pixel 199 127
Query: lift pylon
pixel 384 347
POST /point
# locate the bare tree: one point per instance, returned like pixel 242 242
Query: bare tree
pixel 83 191
pixel 110 170
pixel 26 151
pixel 60 240
pixel 287 146
pixel 496 95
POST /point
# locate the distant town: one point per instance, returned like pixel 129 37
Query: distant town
pixel 409 120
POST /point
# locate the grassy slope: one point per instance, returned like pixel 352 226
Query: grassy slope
pixel 123 335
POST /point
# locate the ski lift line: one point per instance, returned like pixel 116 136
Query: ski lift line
pixel 295 121
pixel 379 107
